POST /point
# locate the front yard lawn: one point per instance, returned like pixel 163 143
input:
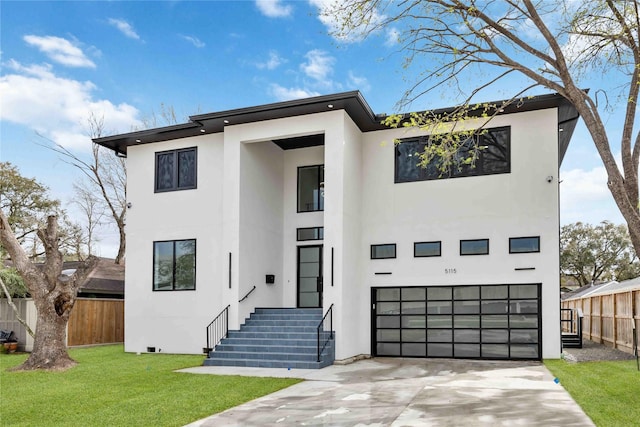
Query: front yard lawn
pixel 110 387
pixel 608 392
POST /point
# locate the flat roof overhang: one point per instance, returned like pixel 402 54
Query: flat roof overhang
pixel 353 103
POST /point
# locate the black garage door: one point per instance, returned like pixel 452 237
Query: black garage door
pixel 471 322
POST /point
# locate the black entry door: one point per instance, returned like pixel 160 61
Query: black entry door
pixel 310 276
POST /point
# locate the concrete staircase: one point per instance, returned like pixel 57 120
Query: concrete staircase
pixel 275 338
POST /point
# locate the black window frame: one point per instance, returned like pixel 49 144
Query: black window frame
pixel 478 170
pixel 511 239
pixel 320 167
pixel 173 281
pixel 473 240
pixel 176 170
pixel 415 245
pixel 395 250
pixel 319 231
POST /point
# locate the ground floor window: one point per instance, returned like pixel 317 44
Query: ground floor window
pixel 479 321
pixel 174 265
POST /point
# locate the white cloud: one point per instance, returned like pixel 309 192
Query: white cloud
pixel 274 8
pixel 285 94
pixel 124 27
pixel 584 196
pixel 359 83
pixel 58 107
pixel 272 63
pixel 319 65
pixel 60 50
pixel 333 13
pixel 194 41
pixel 393 37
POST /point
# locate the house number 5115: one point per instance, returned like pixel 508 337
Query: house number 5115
pixel 450 271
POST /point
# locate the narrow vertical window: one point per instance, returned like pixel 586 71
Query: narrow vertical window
pixel 311 188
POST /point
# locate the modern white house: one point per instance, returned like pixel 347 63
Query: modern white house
pixel 310 204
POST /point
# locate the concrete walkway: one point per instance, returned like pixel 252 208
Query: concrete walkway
pixel 407 392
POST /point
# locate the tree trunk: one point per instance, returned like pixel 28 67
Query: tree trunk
pixel 50 346
pixel 53 294
pixel 123 242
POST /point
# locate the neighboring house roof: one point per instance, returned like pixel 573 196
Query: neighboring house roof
pixel 352 102
pixel 106 278
pixel 604 289
pixel 584 290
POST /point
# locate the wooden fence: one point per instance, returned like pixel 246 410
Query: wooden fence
pixel 608 319
pixel 96 321
pixel 92 321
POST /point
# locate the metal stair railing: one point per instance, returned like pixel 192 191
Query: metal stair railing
pixel 217 330
pixel 247 295
pixel 321 329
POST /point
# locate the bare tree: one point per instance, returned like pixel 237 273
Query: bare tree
pixel 106 175
pixel 92 208
pixel 552 44
pixel 54 295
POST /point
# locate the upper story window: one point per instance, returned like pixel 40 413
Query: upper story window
pixel 174 265
pixel 485 154
pixel 176 170
pixel 311 188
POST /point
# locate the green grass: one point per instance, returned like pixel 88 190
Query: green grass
pixel 110 387
pixel 608 392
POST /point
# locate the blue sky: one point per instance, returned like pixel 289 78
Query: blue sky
pixel 60 61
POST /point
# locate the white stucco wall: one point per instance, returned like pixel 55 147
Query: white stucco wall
pixel 519 204
pixel 245 204
pixel 173 321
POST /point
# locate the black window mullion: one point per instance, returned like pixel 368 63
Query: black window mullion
pixel 173 278
pixel 176 172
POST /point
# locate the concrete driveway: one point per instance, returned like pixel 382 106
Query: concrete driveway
pixel 407 392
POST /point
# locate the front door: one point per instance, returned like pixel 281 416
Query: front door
pixel 310 276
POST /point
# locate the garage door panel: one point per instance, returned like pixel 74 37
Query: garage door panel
pixel 527 336
pixel 439 335
pixel 466 351
pixel 466 321
pixel 414 335
pixel 388 308
pixel 439 350
pixel 495 335
pixel 388 322
pixel 439 321
pixel 388 349
pixel 494 307
pixel 414 349
pixel 439 307
pixel 388 335
pixel 464 307
pixel 495 351
pixel 414 307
